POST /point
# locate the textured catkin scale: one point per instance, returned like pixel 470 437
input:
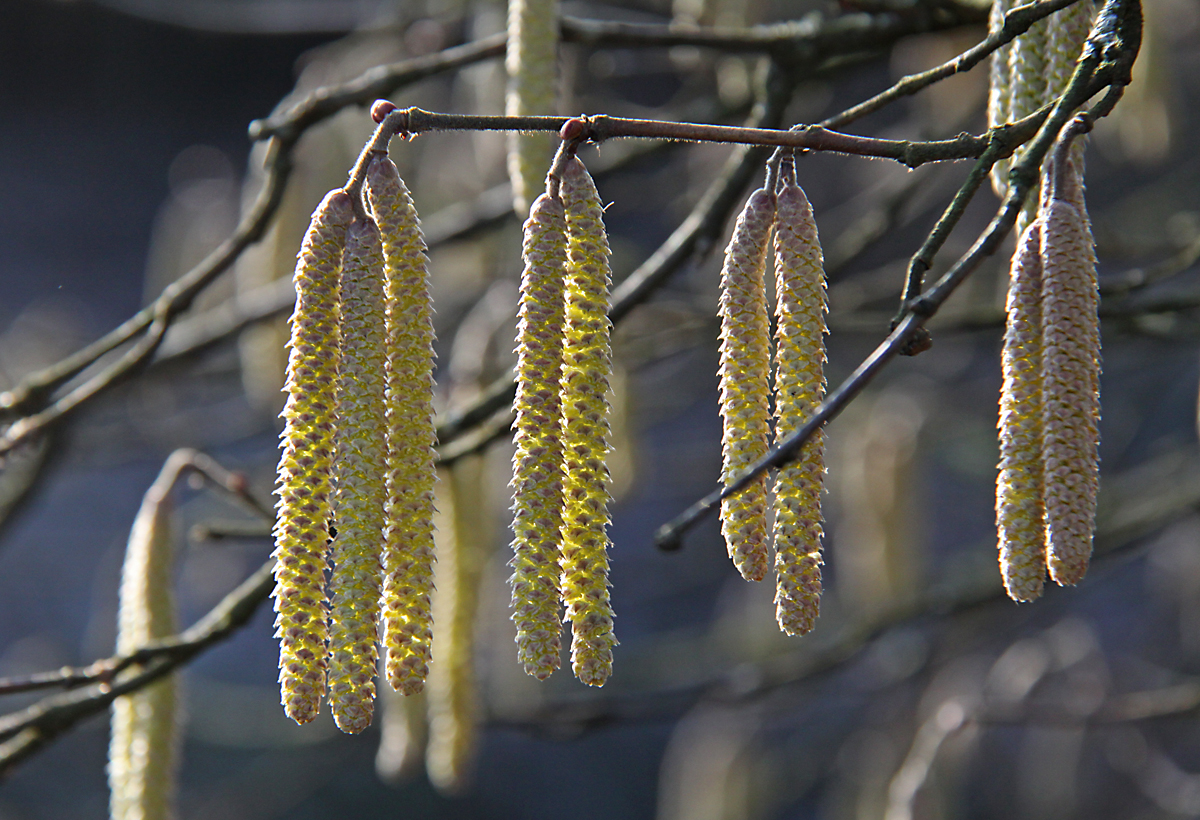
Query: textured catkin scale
pixel 141 757
pixel 999 90
pixel 587 364
pixel 799 390
pixel 745 373
pixel 1020 522
pixel 408 534
pixel 532 66
pixel 301 526
pixel 537 463
pixel 359 478
pixel 1070 388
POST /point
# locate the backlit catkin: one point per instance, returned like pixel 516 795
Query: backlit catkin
pixel 302 522
pixel 799 390
pixel 1071 383
pixel 141 756
pixel 1027 65
pixel 587 363
pixel 999 90
pixel 408 534
pixel 745 373
pixel 1019 506
pixel 532 66
pixel 359 471
pixel 538 461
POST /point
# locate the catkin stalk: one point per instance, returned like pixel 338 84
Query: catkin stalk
pixel 360 481
pixel 302 522
pixel 408 534
pixel 532 66
pixel 537 463
pixel 1020 518
pixel 745 374
pixel 1071 382
pixel 799 389
pixel 142 751
pixel 587 363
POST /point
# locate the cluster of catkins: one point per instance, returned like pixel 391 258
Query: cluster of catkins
pixel 1050 401
pixel 357 450
pixel 560 492
pixel 745 373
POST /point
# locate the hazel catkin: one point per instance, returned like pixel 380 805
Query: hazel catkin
pixel 408 533
pixel 302 522
pixel 587 363
pixel 531 63
pixel 799 390
pixel 744 383
pixel 538 460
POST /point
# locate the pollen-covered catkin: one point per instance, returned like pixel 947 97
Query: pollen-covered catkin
pixel 745 374
pixel 587 363
pixel 999 90
pixel 1071 383
pixel 408 534
pixel 531 63
pixel 1020 521
pixel 141 755
pixel 538 461
pixel 302 522
pixel 359 479
pixel 799 390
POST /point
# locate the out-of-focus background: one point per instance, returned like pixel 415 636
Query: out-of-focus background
pixel 923 692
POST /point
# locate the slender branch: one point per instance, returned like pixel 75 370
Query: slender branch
pixel 1106 44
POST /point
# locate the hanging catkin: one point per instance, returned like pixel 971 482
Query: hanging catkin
pixel 453 708
pixel 1027 65
pixel 537 463
pixel 1071 379
pixel 745 374
pixel 999 90
pixel 302 522
pixel 408 535
pixel 1019 491
pixel 141 755
pixel 531 63
pixel 587 363
pixel 359 481
pixel 799 390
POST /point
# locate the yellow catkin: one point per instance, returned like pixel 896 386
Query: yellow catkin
pixel 408 548
pixel 360 483
pixel 587 363
pixel 453 707
pixel 537 463
pixel 744 374
pixel 142 751
pixel 302 522
pixel 999 90
pixel 1020 521
pixel 532 66
pixel 1071 382
pixel 799 389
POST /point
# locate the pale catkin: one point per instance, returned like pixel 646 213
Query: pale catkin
pixel 1020 520
pixel 999 90
pixel 1071 387
pixel 303 487
pixel 453 696
pixel 587 364
pixel 532 66
pixel 1028 64
pixel 744 383
pixel 360 483
pixel 142 750
pixel 411 436
pixel 537 482
pixel 799 389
